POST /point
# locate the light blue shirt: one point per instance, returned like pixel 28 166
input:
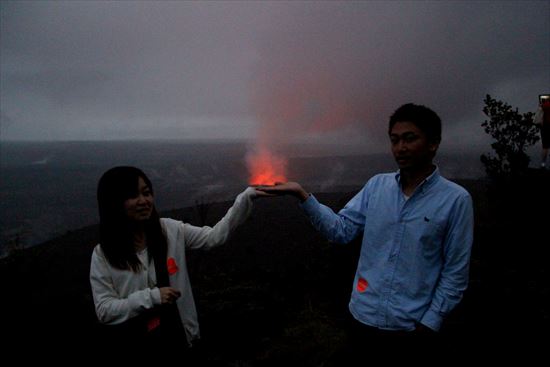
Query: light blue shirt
pixel 415 252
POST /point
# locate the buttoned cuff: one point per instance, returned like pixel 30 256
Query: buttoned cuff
pixel 432 320
pixel 155 296
pixel 250 192
pixel 310 204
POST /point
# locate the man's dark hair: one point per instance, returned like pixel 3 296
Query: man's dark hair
pixel 424 118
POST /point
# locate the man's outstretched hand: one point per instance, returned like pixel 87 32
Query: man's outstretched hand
pixel 285 188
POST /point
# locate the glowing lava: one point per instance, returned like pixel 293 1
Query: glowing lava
pixel 266 168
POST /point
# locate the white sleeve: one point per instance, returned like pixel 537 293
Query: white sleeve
pixel 110 307
pixel 196 237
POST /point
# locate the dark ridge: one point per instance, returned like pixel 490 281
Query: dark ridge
pixel 277 292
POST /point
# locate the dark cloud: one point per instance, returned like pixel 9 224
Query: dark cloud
pixel 371 57
pixel 334 70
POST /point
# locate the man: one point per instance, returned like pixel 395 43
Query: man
pixel 542 118
pixel 417 230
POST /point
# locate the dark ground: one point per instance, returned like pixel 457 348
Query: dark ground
pixel 277 292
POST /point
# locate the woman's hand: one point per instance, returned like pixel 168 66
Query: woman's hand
pixel 261 193
pixel 286 188
pixel 169 295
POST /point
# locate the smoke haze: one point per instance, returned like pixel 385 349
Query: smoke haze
pixel 271 72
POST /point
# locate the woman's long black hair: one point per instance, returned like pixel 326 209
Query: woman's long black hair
pixel 115 229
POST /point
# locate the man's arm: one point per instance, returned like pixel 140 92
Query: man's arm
pixel 454 274
pixel 341 228
pixel 539 116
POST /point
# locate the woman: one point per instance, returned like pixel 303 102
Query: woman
pixel 138 272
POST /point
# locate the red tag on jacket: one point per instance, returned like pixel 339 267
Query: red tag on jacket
pixel 362 285
pixel 172 266
pixel 153 323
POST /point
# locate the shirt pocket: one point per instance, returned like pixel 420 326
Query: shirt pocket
pixel 430 235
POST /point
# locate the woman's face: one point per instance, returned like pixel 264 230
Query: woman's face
pixel 139 208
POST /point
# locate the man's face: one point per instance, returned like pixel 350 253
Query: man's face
pixel 410 146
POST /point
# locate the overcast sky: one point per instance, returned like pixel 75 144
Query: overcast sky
pixel 278 70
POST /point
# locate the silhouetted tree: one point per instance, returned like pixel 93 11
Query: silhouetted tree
pixel 513 133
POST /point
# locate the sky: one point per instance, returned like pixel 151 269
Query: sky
pixel 267 71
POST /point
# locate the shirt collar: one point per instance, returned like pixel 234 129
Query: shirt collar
pixel 428 181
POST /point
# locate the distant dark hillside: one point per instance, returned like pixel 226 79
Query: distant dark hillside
pixel 277 292
pixel 248 291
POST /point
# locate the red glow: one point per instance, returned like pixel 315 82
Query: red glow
pixel 304 101
pixel 266 168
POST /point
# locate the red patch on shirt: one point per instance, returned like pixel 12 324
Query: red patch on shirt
pixel 172 266
pixel 153 323
pixel 362 285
